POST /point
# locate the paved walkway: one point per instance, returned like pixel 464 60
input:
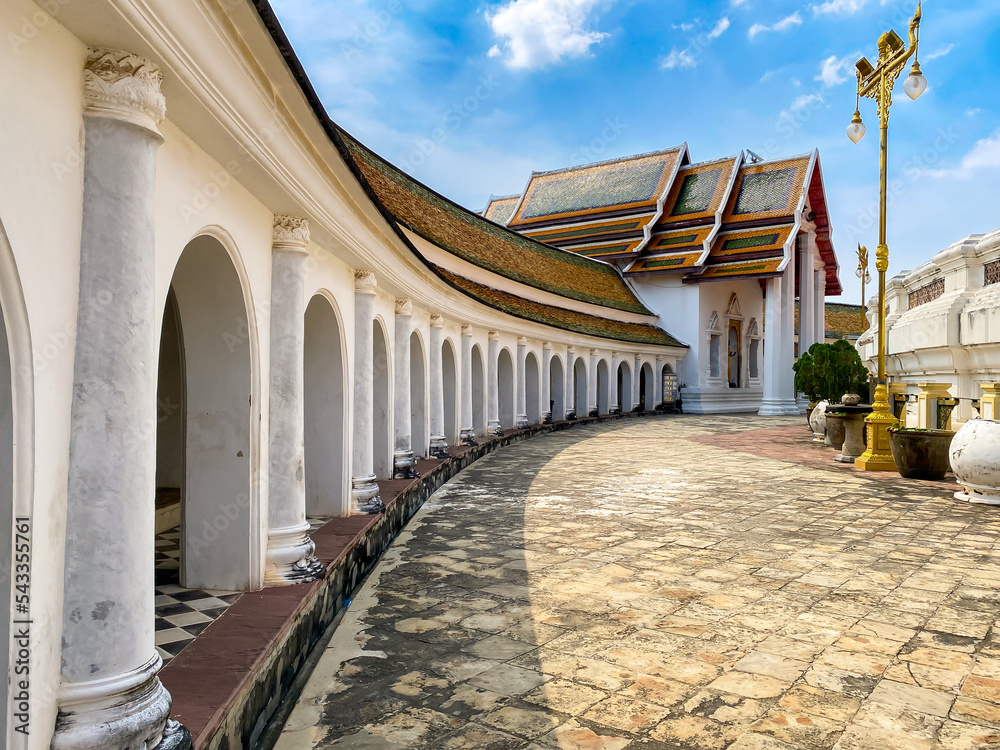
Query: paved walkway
pixel 645 585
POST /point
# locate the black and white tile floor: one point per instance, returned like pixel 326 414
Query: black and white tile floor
pixel 182 614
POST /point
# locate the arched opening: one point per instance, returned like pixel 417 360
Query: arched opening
pixel 624 386
pixel 205 446
pixel 580 386
pixel 735 355
pixel 505 375
pixel 478 392
pixel 557 389
pixel 382 443
pixel 646 385
pixel 603 394
pixel 325 425
pixel 532 389
pixel 418 398
pixel 448 380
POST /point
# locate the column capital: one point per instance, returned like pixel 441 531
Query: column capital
pixel 404 306
pixel 437 321
pixel 522 341
pixel 659 358
pixel 494 335
pixel 546 346
pixel 364 281
pixel 616 355
pixel 122 86
pixel 466 330
pixel 571 350
pixel 289 233
pixel 594 352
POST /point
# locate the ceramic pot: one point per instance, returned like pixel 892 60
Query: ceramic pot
pixel 817 420
pixel 921 454
pixel 975 459
pixel 836 430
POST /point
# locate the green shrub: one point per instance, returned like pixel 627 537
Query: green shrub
pixel 828 371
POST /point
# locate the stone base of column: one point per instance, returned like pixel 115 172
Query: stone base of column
pixel 571 415
pixel 615 410
pixel 494 428
pixel 771 407
pixel 403 463
pixel 468 437
pixel 592 413
pixel 291 557
pixel 547 418
pixel 120 712
pixel 364 494
pixel 521 423
pixel 175 737
pixel 438 447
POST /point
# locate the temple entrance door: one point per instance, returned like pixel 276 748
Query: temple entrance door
pixel 735 355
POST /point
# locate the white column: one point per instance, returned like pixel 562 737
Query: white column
pixel 521 420
pixel 290 551
pixel 364 488
pixel 787 347
pixel 547 382
pixel 771 405
pixel 493 385
pixel 109 694
pixel 569 380
pixel 807 293
pixel 613 406
pixel 820 296
pixel 403 460
pixel 636 400
pixel 468 433
pixel 592 385
pixel 438 446
pixel 658 382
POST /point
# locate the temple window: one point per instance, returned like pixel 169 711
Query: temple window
pixel 991 273
pixel 713 352
pixel 926 293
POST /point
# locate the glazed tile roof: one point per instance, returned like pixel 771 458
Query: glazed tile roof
pixel 842 321
pixel 699 191
pixel 476 240
pixel 741 269
pixel 666 262
pixel 567 235
pixel 557 317
pixel 606 250
pixel 767 190
pixel 751 243
pixel 680 239
pixel 633 183
pixel 501 207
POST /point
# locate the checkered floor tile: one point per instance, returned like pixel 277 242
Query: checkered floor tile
pixel 182 614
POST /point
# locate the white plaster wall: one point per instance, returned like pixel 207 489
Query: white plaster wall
pixel 41 145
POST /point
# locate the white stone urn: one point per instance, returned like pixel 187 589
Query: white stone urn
pixel 817 421
pixel 975 459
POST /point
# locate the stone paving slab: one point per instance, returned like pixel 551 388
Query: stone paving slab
pixel 653 585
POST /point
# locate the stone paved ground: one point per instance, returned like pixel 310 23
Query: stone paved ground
pixel 634 585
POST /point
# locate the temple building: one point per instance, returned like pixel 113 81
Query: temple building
pixel 230 329
pixel 720 249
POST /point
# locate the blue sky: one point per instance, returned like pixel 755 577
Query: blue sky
pixel 470 97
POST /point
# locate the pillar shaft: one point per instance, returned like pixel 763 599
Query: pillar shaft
pixel 771 405
pixel 820 301
pixel 110 696
pixel 592 385
pixel 522 408
pixel 636 391
pixel 807 293
pixel 364 488
pixel 468 434
pixel 438 443
pixel 403 460
pixel 570 383
pixel 787 345
pixel 613 406
pixel 493 385
pixel 290 557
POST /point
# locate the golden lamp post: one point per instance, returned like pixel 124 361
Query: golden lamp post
pixel 876 82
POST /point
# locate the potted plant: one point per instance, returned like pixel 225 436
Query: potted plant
pixel 921 453
pixel 805 382
pixel 828 372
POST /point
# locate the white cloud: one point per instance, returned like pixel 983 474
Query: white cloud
pixel 973 111
pixel 719 28
pixel 984 155
pixel 832 70
pixel 737 3
pixel 939 53
pixel 535 33
pixel 840 7
pixel 683 26
pixel 783 25
pixel 678 59
pixel 805 101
